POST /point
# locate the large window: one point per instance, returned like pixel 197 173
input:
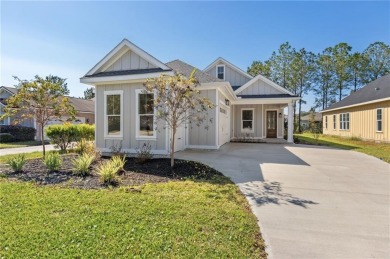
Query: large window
pixel 334 121
pixel 247 120
pixel 379 120
pixel 221 72
pixel 326 122
pixel 113 113
pixel 344 121
pixel 145 115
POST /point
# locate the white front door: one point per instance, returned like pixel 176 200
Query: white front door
pixel 180 138
pixel 224 124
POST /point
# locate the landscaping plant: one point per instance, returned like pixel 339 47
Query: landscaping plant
pixel 17 162
pixel 107 172
pixel 82 164
pixel 53 161
pixel 118 162
pixel 85 146
pixel 144 153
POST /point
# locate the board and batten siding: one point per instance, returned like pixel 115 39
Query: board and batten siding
pixel 130 60
pixel 362 121
pixel 259 87
pixel 231 75
pixel 205 133
pixel 259 120
pixel 129 140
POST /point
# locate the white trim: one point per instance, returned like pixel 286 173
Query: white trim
pixel 325 126
pixel 343 122
pixel 277 121
pixel 253 120
pixel 263 124
pixel 122 78
pixel 266 80
pixel 376 120
pixel 201 147
pixel 106 135
pixel 358 104
pixel 137 122
pixel 285 100
pixel 231 65
pixel 137 50
pixel 133 151
pixel 5 89
pixel 334 126
pixel 216 118
pixel 224 72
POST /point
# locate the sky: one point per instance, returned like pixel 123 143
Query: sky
pixel 68 38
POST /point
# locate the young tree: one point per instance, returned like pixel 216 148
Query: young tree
pixel 58 80
pixel 341 56
pixel 177 100
pixel 378 61
pixel 89 93
pixel 302 72
pixel 258 67
pixel 40 99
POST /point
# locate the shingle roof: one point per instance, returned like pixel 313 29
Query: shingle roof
pixel 265 96
pixel 10 89
pixel 127 72
pixel 378 89
pixel 185 69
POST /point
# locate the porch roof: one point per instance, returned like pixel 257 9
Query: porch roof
pixel 267 96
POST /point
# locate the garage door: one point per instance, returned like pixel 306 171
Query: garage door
pixel 224 124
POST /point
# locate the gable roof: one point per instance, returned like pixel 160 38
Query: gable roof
pixel 231 65
pixel 121 49
pixel 375 91
pixel 185 69
pixel 266 80
pixel 11 90
pixel 317 117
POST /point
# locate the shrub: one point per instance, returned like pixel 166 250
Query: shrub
pixel 118 162
pixel 20 133
pixel 107 172
pixel 17 162
pixel 82 164
pixel 85 146
pixel 85 131
pixel 53 161
pixel 6 137
pixel 144 153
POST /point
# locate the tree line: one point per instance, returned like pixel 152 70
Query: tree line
pixel 330 75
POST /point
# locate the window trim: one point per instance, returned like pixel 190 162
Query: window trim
pixel 253 120
pixel 381 120
pixel 334 122
pixel 137 120
pixel 106 135
pixel 343 121
pixel 326 122
pixel 224 71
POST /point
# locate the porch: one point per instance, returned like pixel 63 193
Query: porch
pixel 264 140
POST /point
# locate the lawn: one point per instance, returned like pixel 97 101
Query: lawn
pixel 379 150
pixel 184 219
pixel 20 144
pixel 31 155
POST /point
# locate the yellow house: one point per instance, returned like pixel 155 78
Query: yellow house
pixel 364 114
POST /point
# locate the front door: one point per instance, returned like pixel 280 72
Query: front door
pixel 180 138
pixel 271 124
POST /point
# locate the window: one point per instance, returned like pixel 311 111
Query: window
pixel 344 121
pixel 334 121
pixel 113 113
pixel 326 122
pixel 379 120
pixel 247 120
pixel 221 72
pixel 145 115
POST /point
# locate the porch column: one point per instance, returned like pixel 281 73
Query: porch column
pixel 290 123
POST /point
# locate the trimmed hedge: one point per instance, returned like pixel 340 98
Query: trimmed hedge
pixel 19 133
pixel 6 137
pixel 63 135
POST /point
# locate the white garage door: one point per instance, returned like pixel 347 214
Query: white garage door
pixel 224 124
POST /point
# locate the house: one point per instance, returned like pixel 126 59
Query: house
pixel 364 114
pixel 85 111
pixel 246 106
pixel 305 120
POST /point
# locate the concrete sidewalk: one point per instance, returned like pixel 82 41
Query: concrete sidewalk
pixel 11 151
pixel 311 202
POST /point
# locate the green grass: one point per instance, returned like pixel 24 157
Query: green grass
pixel 32 155
pixel 20 144
pixel 379 150
pixel 170 220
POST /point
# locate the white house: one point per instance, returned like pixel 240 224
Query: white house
pixel 246 106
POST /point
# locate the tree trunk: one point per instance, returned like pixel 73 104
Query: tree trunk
pixel 340 92
pixel 43 142
pixel 173 146
pixel 299 115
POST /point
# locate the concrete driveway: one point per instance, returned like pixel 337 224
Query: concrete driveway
pixel 311 202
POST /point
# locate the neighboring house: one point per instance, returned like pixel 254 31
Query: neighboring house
pixel 305 120
pixel 246 106
pixel 85 111
pixel 364 114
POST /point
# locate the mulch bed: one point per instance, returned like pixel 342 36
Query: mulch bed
pixel 153 171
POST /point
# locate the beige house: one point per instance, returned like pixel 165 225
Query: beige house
pixel 246 106
pixel 364 114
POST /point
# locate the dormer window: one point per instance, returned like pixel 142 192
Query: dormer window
pixel 221 72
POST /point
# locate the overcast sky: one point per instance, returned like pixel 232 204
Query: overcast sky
pixel 69 38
